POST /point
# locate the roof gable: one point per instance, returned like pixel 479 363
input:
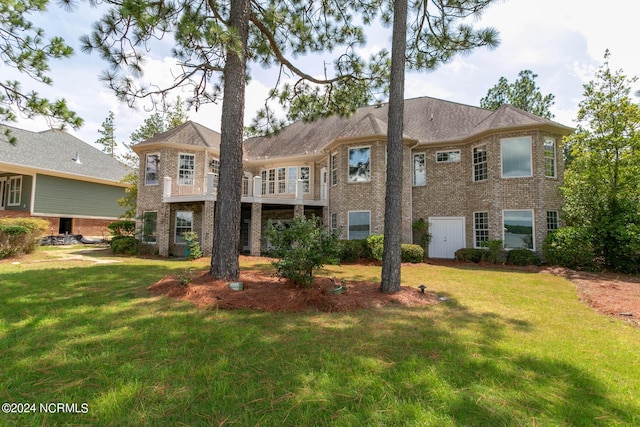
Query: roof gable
pixel 55 151
pixel 188 133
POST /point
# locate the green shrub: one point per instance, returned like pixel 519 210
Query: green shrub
pixel 421 234
pixel 411 253
pixel 375 244
pixel 36 228
pixel 496 253
pixel 301 247
pixel 13 239
pixel 471 254
pixel 122 228
pixel 570 247
pixel 522 256
pixel 126 245
pixel 193 246
pixel 353 250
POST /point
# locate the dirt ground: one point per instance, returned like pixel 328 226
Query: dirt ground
pixel 609 294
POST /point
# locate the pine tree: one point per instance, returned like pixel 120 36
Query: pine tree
pixel 108 138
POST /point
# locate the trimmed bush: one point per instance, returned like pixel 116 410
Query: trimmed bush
pixel 353 250
pixel 496 253
pixel 13 239
pixel 570 247
pixel 375 243
pixel 126 245
pixel 122 228
pixel 471 254
pixel 411 253
pixel 36 227
pixel 522 256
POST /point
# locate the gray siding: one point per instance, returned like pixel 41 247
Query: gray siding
pixel 65 197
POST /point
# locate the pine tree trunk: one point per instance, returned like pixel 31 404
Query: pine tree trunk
pixel 226 236
pixel 391 259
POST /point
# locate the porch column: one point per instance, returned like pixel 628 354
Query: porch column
pixel 164 229
pixel 206 241
pixel 256 229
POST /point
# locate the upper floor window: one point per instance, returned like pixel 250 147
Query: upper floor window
pixel 284 180
pixel 516 157
pixel 550 158
pixel 214 168
pixel 15 191
pixel 419 169
pixel 518 229
pixel 360 164
pixel 305 174
pixel 151 169
pixel 333 160
pixel 186 169
pixel 480 166
pixel 448 156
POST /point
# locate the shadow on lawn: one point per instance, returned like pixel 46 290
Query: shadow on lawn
pixel 101 338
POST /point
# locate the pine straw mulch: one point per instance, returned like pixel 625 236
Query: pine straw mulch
pixel 608 293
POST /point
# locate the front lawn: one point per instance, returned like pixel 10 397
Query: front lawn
pixel 504 348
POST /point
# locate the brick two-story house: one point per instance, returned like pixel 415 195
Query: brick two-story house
pixel 473 174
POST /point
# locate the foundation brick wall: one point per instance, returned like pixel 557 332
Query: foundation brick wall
pixel 88 227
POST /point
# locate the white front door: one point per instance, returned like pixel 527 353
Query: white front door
pixel 447 236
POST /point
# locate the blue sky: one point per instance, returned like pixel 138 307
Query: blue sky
pixel 563 41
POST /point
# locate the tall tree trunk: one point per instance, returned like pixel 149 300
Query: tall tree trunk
pixel 226 237
pixel 391 260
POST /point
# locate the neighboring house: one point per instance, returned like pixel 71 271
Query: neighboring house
pixel 473 174
pixel 56 176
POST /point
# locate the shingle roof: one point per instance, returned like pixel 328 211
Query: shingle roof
pixel 57 151
pixel 188 133
pixel 428 120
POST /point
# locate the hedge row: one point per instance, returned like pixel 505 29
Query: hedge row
pixel 372 247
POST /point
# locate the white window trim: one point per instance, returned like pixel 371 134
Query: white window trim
pixel 333 167
pixel 533 227
pixel 413 167
pixel 473 165
pixel 193 177
pixel 555 158
pixel 449 161
pixel 349 222
pixel 530 158
pixel 17 192
pixel 359 147
pixel 175 228
pixel 146 183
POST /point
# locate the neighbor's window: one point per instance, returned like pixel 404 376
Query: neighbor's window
pixel 550 158
pixel 419 169
pixel 480 228
pixel 15 191
pixel 480 168
pixel 151 172
pixel 184 223
pixel 359 225
pixel 360 164
pixel 448 156
pixel 334 168
pixel 552 221
pixel 214 168
pixel 186 169
pixel 517 228
pixel 149 224
pixel 516 157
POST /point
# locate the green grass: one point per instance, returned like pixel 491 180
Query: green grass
pixel 505 349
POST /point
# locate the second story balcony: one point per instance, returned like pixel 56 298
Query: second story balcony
pixel 254 190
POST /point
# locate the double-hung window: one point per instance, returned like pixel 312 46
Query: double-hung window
pixel 419 169
pixel 305 176
pixel 480 228
pixel 15 191
pixel 214 168
pixel 149 227
pixel 333 160
pixel 186 169
pixel 480 167
pixel 550 158
pixel 184 223
pixel 282 180
pixel 552 221
pixel 293 179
